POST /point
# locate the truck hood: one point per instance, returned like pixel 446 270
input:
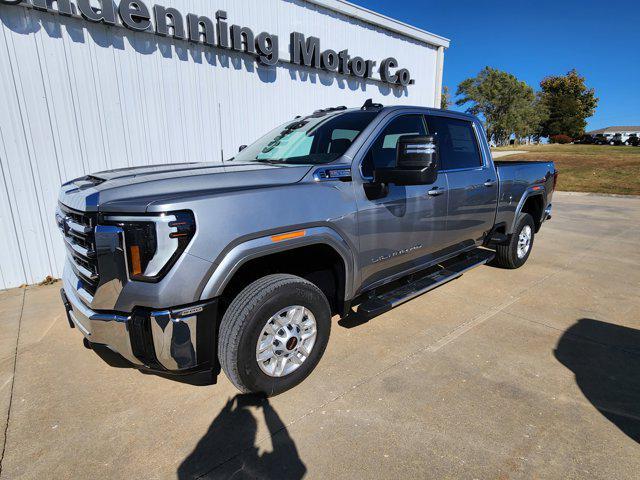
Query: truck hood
pixel 134 189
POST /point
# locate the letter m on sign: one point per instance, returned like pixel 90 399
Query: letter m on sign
pixel 305 51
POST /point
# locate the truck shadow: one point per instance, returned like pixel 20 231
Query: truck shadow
pixel 605 359
pixel 229 449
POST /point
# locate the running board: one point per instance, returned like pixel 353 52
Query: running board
pixel 451 270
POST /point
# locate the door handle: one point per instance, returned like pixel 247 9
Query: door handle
pixel 489 183
pixel 435 192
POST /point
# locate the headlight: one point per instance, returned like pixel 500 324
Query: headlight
pixel 154 243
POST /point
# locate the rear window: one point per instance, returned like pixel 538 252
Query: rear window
pixel 456 141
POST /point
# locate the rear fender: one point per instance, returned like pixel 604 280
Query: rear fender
pixel 533 191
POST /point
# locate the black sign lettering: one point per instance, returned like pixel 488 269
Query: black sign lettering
pixel 223 30
pixel 166 29
pixel 267 47
pixel 344 62
pixel 305 52
pixel 359 67
pixel 242 39
pixel 330 60
pixel 64 6
pixel 385 70
pixel 105 14
pixel 202 30
pixel 135 15
pixel 370 66
pixel 404 77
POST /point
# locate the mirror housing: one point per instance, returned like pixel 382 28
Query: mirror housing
pixel 417 162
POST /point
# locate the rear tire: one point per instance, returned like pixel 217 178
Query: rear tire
pixel 516 251
pixel 289 315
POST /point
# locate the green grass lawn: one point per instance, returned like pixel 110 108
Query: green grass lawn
pixel 587 168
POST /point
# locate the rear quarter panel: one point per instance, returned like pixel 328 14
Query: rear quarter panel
pixel 518 181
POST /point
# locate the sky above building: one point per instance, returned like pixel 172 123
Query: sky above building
pixel 533 39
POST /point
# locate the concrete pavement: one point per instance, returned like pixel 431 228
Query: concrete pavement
pixel 533 373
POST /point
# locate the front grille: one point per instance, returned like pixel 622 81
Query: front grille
pixel 78 230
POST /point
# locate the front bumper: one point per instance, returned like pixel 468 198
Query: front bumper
pixel 177 340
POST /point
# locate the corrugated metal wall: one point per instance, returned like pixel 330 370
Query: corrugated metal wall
pixel 77 98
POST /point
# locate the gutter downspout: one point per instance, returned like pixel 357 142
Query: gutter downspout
pixel 439 74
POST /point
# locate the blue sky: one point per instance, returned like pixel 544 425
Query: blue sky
pixel 532 39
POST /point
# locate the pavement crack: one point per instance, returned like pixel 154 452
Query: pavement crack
pixel 13 380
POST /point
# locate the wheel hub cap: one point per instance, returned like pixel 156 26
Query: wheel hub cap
pixel 292 343
pixel 524 241
pixel 286 341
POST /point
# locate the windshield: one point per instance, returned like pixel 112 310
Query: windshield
pixel 317 139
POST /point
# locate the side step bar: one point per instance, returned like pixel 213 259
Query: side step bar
pixel 450 270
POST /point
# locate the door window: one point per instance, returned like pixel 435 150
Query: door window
pixel 457 143
pixel 382 153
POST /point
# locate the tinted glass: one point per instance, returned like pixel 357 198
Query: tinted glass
pixel 456 141
pixel 383 152
pixel 311 140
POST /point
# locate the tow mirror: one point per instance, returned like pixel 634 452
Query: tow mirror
pixel 417 162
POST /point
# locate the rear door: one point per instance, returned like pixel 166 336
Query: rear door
pixel 471 177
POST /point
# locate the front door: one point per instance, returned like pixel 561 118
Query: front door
pixel 402 228
pixel 473 184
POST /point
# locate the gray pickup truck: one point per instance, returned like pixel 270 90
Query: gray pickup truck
pixel 241 266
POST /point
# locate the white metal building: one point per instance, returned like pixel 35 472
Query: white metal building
pixel 84 90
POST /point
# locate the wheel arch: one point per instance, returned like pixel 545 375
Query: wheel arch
pixel 532 202
pixel 317 244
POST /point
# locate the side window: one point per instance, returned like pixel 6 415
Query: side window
pixel 456 141
pixel 382 153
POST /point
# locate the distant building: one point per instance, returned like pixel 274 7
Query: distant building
pixel 624 130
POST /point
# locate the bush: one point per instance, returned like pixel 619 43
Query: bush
pixel 561 139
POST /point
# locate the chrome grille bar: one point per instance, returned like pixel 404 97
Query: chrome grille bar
pixel 78 231
pixel 85 253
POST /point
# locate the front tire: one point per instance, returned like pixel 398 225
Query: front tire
pixel 274 334
pixel 516 251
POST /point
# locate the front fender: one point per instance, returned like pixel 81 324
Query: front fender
pixel 237 256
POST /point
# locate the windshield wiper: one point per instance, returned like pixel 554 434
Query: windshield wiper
pixel 269 162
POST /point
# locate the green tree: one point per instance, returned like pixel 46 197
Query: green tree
pixel 569 102
pixel 445 99
pixel 508 106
